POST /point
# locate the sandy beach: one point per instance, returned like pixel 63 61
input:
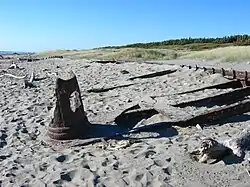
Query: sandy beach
pixel 160 158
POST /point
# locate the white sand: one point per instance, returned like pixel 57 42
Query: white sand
pixel 159 159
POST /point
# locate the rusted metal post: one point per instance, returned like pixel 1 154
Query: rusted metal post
pixel 70 120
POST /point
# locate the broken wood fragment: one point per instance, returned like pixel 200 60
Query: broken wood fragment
pixel 70 120
pixel 98 90
pixel 29 83
pixel 131 116
pixel 151 75
pixel 231 84
pixel 225 98
pixel 13 66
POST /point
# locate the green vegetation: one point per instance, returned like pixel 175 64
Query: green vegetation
pixel 118 54
pixel 226 54
pixel 193 44
pixel 230 48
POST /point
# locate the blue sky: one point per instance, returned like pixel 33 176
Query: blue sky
pixel 37 25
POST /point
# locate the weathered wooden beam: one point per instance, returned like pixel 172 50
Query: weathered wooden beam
pixel 70 120
pixel 98 90
pixel 108 61
pixel 231 84
pixel 220 99
pixel 215 114
pixel 155 74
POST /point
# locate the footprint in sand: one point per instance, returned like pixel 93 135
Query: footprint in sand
pixel 3 137
pixel 105 162
pixel 139 177
pixel 61 158
pixel 64 176
pixel 168 170
pixel 145 154
pixel 134 151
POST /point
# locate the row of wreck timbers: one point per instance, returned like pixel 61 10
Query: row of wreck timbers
pixel 70 121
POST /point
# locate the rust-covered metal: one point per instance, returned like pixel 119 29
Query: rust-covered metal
pixel 70 120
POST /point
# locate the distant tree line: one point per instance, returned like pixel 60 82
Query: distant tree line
pixel 234 40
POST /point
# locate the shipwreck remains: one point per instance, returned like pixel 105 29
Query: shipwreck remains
pixel 70 120
pixel 156 74
pixel 231 74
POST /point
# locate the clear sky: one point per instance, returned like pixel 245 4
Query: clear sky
pixel 37 25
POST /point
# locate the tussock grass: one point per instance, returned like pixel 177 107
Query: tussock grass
pixel 142 54
pixel 225 54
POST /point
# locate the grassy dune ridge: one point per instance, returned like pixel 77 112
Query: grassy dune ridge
pixel 118 54
pixel 224 54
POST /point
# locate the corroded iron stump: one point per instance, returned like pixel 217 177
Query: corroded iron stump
pixel 70 120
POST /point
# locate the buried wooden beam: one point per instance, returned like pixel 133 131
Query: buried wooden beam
pixel 98 90
pixel 225 98
pixel 215 114
pixel 108 61
pixel 155 74
pixel 231 84
pixel 70 120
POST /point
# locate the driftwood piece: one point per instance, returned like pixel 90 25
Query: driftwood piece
pixel 13 76
pixel 29 83
pixel 70 120
pixel 155 74
pixel 225 98
pixel 211 151
pixel 99 90
pixel 13 66
pixel 231 84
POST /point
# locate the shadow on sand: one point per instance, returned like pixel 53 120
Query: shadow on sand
pixel 117 132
